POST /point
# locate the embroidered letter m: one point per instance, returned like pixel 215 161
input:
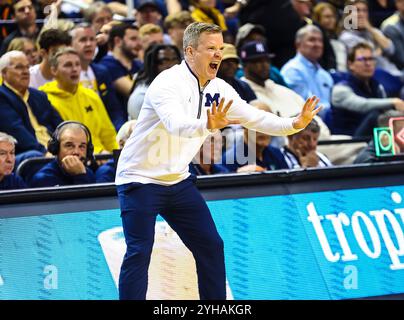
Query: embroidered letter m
pixel 209 99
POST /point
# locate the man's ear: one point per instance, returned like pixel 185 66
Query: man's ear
pixel 349 64
pixel 117 41
pixel 189 52
pixel 43 53
pixel 53 71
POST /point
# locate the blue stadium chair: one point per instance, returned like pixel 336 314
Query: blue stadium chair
pixel 392 84
pixel 27 168
pixel 338 76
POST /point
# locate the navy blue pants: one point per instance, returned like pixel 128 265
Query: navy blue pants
pixel 184 209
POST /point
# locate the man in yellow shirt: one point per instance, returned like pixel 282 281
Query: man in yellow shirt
pixel 75 102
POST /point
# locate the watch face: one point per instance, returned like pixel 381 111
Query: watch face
pixel 172 271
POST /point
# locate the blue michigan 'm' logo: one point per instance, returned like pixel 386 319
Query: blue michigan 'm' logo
pixel 209 99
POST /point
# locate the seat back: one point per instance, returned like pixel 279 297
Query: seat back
pixel 29 167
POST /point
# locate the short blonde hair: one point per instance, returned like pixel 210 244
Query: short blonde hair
pixel 149 28
pixel 182 18
pixel 54 60
pixel 194 31
pixel 18 44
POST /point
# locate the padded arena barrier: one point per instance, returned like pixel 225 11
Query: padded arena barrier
pixel 330 233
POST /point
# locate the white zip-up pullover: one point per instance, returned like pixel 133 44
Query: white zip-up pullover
pixel 172 126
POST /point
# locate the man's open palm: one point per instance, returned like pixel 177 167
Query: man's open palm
pixel 217 119
pixel 308 112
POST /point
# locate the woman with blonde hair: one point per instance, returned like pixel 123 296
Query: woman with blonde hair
pixel 27 46
pixel 326 16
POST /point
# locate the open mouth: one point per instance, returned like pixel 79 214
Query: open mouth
pixel 214 65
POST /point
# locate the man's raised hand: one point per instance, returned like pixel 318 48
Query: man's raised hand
pixel 307 114
pixel 217 118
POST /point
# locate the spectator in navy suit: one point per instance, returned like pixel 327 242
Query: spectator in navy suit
pixel 26 113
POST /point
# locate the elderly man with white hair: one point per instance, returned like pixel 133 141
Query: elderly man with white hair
pixel 303 73
pixel 26 113
pixel 8 180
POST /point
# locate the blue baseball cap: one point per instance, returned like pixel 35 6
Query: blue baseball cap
pixel 254 50
pixel 141 4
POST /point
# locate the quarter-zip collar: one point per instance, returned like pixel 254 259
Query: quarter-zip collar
pixel 199 89
pixel 195 76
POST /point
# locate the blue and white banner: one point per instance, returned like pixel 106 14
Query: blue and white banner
pixel 324 245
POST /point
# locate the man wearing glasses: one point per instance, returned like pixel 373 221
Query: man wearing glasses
pixel 358 100
pixel 26 113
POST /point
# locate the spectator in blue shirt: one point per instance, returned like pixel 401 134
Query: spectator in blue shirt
pixel 303 73
pixel 99 16
pixel 96 76
pixel 71 144
pixel 8 180
pixel 121 61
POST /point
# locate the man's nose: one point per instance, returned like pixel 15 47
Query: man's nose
pixel 76 151
pixel 10 158
pixel 218 54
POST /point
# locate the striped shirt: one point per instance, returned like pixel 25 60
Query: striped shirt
pixel 293 161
